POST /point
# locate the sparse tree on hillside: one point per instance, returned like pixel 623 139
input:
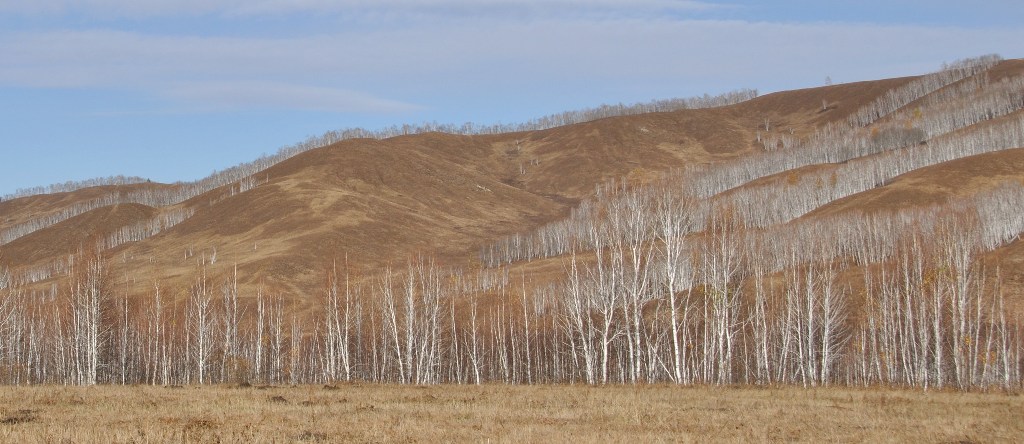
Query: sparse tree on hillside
pixel 233 366
pixel 90 299
pixel 201 328
pixel 337 327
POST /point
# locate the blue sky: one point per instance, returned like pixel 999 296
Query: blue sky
pixel 174 89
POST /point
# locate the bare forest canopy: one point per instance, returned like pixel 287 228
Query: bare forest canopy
pixel 861 234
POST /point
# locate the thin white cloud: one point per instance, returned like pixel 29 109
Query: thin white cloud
pixel 128 59
pixel 383 70
pixel 211 72
pixel 249 95
pixel 112 8
pixel 378 8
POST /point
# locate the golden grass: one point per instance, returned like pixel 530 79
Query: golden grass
pixel 384 413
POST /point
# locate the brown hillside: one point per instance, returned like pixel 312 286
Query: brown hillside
pixel 372 201
pixel 68 237
pixel 16 211
pixel 802 109
pixel 379 202
pixel 934 185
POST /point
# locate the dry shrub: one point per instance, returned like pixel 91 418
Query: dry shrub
pixel 20 416
pixel 308 436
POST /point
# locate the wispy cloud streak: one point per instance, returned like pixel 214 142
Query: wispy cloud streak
pixel 111 9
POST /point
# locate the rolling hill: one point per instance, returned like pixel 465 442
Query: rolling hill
pixel 380 201
pixel 863 233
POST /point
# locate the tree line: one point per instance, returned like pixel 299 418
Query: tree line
pixel 902 299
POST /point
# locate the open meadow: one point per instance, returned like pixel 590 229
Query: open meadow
pixel 445 413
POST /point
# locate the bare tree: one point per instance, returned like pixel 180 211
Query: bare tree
pixel 89 309
pixel 202 324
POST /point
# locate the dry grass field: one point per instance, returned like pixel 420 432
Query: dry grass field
pixel 378 413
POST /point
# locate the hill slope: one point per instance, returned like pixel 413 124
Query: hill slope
pixel 378 202
pixel 858 234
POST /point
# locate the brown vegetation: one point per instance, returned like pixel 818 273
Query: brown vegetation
pixel 380 201
pixel 373 413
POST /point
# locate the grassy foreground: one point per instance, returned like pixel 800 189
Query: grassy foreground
pixel 376 413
